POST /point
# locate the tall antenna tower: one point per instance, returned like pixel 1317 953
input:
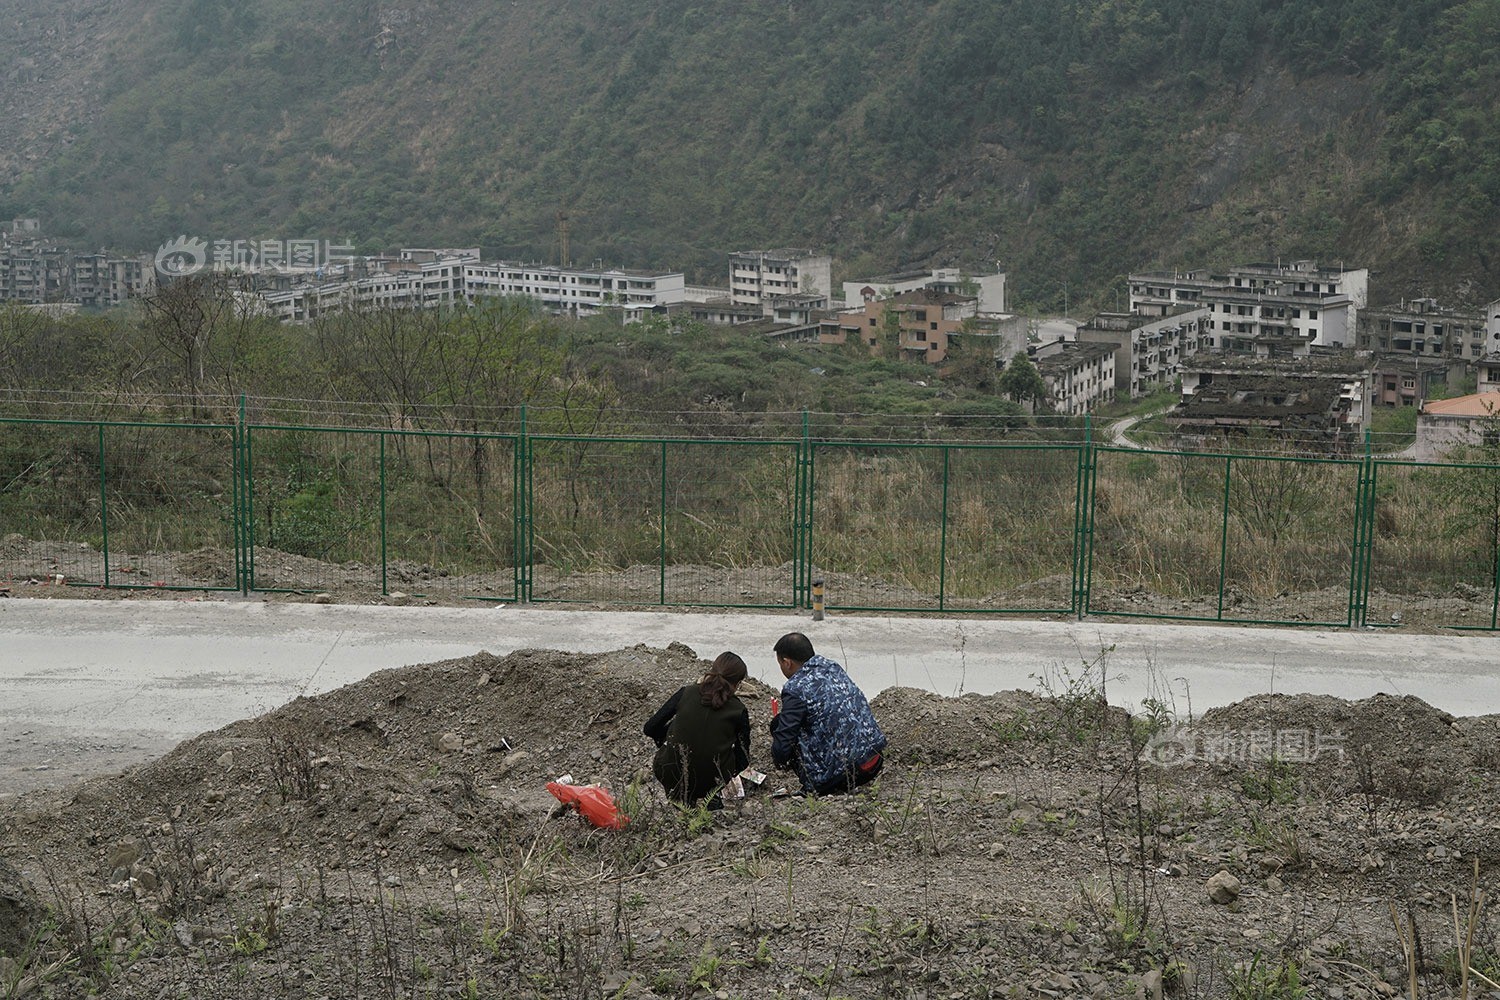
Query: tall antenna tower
pixel 562 238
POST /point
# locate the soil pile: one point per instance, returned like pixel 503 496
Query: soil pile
pixel 395 838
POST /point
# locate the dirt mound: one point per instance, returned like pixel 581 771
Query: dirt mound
pixel 392 838
pixel 1380 719
pixel 214 567
pixel 425 760
pixel 995 729
pixel 1397 747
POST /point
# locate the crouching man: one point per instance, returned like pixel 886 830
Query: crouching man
pixel 824 730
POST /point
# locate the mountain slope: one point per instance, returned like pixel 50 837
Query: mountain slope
pixel 1070 142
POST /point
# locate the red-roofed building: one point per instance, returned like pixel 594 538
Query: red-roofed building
pixel 1464 421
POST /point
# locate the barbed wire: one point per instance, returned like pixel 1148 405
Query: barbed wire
pixel 616 422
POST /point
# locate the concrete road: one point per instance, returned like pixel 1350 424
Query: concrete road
pixel 88 687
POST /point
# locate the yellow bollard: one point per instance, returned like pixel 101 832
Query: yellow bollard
pixel 817 600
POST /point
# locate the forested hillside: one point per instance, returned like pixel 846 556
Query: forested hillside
pixel 1068 140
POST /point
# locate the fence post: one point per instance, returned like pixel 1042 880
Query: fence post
pixel 241 473
pixel 801 520
pixel 384 562
pixel 1083 520
pixel 249 508
pixel 103 506
pixel 943 539
pixel 1495 591
pixel 1364 539
pixel 1224 539
pixel 661 556
pixel 521 510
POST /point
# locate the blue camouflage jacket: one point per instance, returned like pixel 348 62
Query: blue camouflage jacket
pixel 825 724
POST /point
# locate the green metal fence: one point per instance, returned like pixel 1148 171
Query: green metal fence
pixel 660 521
pixel 120 505
pixel 943 527
pixel 1433 534
pixel 1216 537
pixel 430 513
pixel 1039 528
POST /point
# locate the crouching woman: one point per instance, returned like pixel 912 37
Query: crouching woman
pixel 702 734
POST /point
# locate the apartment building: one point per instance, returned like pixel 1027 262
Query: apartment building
pixel 34 271
pixel 1252 301
pixel 923 323
pixel 1149 350
pixel 1079 376
pixel 989 288
pixel 1422 328
pixel 756 276
pixel 579 291
pixel 1402 380
pixel 1161 293
pixel 98 280
pixel 437 279
pixel 1241 319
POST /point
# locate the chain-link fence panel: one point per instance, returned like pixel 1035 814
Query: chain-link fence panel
pixel 730 537
pixel 1156 543
pixel 314 508
pixel 426 514
pixel 1289 540
pixel 169 507
pixel 117 505
pixel 1009 517
pixel 450 515
pixel 1434 545
pixel 1222 538
pixel 876 525
pixel 51 503
pixel 596 526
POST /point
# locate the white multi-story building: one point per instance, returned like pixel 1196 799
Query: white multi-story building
pixel 1160 293
pixel 428 281
pixel 989 288
pixel 1421 327
pixel 1149 350
pixel 1079 377
pixel 757 276
pixel 582 291
pixel 1254 301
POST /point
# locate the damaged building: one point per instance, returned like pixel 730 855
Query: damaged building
pixel 1322 396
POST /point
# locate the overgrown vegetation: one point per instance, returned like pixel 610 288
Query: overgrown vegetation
pixel 666 444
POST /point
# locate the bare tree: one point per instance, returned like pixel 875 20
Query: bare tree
pixel 185 317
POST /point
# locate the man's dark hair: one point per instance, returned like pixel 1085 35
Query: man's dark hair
pixel 795 647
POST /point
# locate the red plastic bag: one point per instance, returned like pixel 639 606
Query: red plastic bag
pixel 593 803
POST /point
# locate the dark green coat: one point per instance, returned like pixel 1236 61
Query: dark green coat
pixel 698 747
